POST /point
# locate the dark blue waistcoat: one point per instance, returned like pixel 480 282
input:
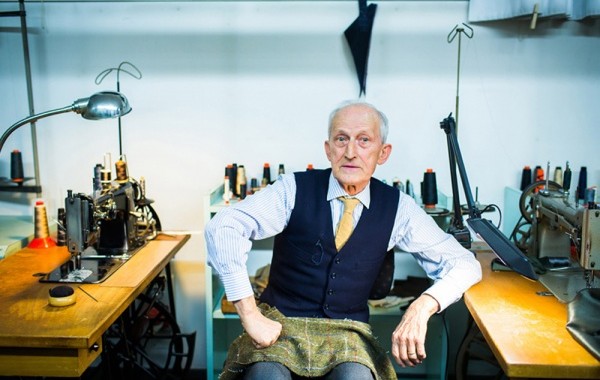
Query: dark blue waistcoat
pixel 309 277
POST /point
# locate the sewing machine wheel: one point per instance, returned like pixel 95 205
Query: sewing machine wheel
pixel 521 234
pixel 525 200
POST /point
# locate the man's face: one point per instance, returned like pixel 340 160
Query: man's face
pixel 354 147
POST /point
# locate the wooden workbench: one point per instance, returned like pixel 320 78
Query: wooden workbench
pixel 526 331
pixel 40 340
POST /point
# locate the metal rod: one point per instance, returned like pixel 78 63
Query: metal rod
pixel 31 119
pixel 458 31
pixel 36 166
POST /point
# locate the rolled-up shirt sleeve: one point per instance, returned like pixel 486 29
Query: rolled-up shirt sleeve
pixel 453 268
pixel 230 232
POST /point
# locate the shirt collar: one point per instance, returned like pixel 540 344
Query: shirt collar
pixel 335 190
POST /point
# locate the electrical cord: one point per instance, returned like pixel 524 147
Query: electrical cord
pixel 490 207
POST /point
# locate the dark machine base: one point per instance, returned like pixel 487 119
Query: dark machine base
pixel 95 267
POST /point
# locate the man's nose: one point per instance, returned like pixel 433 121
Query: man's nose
pixel 350 149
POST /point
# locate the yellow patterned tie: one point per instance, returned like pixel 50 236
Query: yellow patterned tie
pixel 346 225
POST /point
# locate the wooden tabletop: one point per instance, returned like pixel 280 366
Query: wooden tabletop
pixel 526 331
pixel 63 341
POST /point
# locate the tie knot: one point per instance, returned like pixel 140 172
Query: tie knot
pixel 349 204
pixel 346 224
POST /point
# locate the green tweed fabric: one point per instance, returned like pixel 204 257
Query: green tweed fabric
pixel 311 347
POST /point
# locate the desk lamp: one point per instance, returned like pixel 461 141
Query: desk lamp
pixel 101 105
pixel 504 249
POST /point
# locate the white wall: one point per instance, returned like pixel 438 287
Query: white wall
pixel 253 82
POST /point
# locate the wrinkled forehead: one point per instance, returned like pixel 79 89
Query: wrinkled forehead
pixel 356 116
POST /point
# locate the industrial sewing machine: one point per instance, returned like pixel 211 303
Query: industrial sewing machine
pixel 104 230
pixel 565 238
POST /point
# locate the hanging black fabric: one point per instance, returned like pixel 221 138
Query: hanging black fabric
pixel 358 35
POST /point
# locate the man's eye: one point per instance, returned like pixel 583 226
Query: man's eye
pixel 364 142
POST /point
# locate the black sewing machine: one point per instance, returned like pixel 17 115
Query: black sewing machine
pixel 103 231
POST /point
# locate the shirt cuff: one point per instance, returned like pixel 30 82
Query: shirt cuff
pixel 237 285
pixel 444 294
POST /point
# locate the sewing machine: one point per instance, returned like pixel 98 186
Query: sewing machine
pixel 565 238
pixel 103 231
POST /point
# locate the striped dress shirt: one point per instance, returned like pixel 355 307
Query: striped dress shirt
pixel 266 213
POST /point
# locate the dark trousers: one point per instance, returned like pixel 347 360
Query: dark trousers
pixel 277 371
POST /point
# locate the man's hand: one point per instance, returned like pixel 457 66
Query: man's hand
pixel 408 340
pixel 263 331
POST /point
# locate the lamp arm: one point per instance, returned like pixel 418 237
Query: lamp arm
pixel 457 219
pixel 32 119
pixel 448 125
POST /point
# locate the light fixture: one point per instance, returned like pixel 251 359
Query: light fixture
pixel 101 105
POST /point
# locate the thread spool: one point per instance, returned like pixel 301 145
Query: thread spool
pixel 396 183
pixel 241 182
pixel 558 175
pixel 266 175
pixel 525 177
pixel 582 183
pixel 233 179
pixel 539 173
pixel 229 173
pixel 590 197
pixel 16 167
pixel 121 171
pixel 226 190
pixel 254 185
pixel 566 183
pixel 539 176
pixel 41 231
pixel 409 189
pixel 97 181
pixel 106 174
pixel 429 189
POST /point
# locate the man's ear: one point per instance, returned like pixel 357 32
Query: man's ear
pixel 384 154
pixel 328 150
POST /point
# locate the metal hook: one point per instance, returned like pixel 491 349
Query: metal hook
pixel 458 30
pixel 104 73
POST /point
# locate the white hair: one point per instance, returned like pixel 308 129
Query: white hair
pixel 383 120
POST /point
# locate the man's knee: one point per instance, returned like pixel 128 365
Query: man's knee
pixel 350 371
pixel 267 370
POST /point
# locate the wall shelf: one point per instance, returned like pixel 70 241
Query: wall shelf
pixel 7 185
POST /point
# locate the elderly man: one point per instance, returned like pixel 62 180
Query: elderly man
pixel 320 278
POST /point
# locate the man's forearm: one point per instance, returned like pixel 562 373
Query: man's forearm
pixel 246 307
